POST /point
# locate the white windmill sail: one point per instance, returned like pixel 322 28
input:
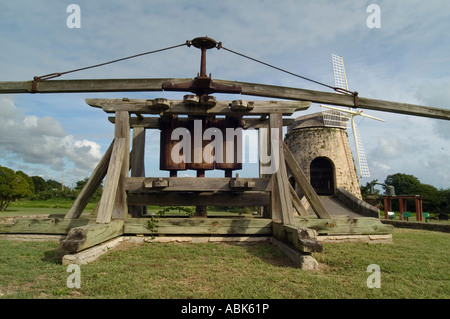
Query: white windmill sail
pixel 340 79
pixel 333 116
pixel 361 155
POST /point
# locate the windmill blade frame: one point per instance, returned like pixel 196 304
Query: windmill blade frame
pixel 361 155
pixel 340 81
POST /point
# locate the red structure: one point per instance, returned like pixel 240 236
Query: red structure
pixel 402 204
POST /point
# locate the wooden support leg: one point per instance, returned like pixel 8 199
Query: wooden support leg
pixel 137 164
pixel 91 186
pixel 113 203
pixel 299 207
pixel 269 211
pixel 304 184
pixel 122 130
pixel 80 238
pixel 284 195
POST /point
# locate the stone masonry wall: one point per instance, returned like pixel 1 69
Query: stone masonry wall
pixel 306 144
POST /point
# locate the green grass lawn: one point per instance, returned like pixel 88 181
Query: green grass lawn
pixel 414 266
pixel 413 218
pixel 61 206
pixel 44 207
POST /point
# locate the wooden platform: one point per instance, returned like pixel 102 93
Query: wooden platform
pixel 136 226
pixel 58 225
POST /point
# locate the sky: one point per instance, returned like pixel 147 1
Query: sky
pixel 405 58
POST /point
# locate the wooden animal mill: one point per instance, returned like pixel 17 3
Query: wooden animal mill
pixel 293 210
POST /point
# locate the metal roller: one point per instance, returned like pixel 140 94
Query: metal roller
pixel 200 160
pixel 167 163
pixel 233 142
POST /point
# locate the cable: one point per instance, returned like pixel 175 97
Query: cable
pixel 54 75
pixel 189 43
pixel 277 68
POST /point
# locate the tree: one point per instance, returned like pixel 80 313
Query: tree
pixel 6 176
pixel 431 197
pixel 12 186
pixel 444 201
pixel 28 179
pixel 39 184
pixel 52 184
pixel 404 184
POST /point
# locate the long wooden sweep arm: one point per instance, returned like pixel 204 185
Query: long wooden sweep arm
pixel 253 89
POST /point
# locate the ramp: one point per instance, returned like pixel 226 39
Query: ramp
pixel 335 207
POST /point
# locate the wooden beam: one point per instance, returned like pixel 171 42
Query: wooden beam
pixel 91 185
pixel 285 201
pixel 93 85
pixel 137 163
pixel 153 122
pixel 143 106
pixel 304 184
pixel 108 198
pixel 200 226
pixel 247 198
pixel 297 94
pixel 193 184
pixel 138 152
pixel 253 89
pixel 54 226
pixel 113 203
pixel 338 225
pixel 122 131
pixel 297 202
pixel 80 238
pixel 301 238
pixel 269 211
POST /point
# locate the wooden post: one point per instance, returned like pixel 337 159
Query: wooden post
pixel 122 130
pixel 419 208
pixel 284 195
pixel 269 211
pixel 91 185
pixel 402 206
pixel 113 203
pixel 304 184
pixel 137 164
pixel 387 206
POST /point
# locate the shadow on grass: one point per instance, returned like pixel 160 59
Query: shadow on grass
pixel 267 253
pixel 53 256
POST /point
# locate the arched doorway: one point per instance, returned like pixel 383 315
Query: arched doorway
pixel 322 176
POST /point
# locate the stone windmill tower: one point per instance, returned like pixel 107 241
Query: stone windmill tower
pixel 324 154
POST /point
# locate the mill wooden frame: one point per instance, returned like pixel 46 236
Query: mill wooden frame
pixel 127 191
pixel 125 195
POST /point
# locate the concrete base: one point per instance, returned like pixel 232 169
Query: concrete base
pixel 32 237
pixel 91 254
pixel 370 239
pixel 301 260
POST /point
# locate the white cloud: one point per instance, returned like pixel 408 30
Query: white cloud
pixel 393 147
pixel 436 94
pixel 28 139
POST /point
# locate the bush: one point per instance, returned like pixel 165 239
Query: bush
pixel 55 193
